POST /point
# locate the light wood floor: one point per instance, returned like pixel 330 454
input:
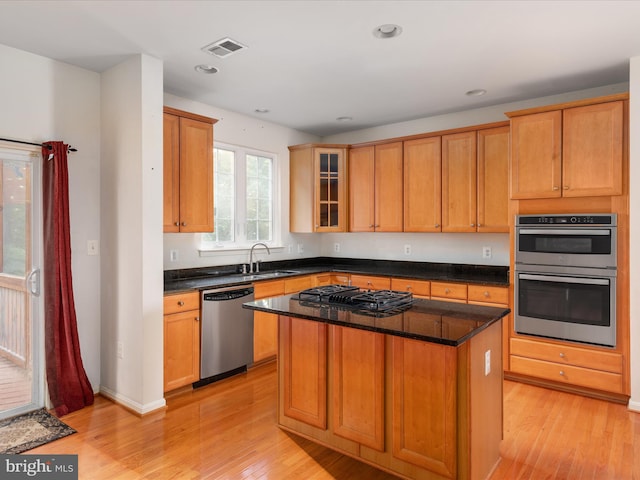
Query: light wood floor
pixel 15 385
pixel 228 431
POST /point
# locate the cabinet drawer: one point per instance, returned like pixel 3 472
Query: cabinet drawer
pixel 268 289
pixel 569 374
pixel 371 283
pixel 420 288
pixel 486 294
pixel 449 291
pixel 181 302
pixel 567 355
pixel 292 285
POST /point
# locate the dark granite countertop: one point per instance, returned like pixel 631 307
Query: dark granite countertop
pixel 213 277
pixel 432 321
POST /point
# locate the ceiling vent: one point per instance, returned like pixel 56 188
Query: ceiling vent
pixel 223 48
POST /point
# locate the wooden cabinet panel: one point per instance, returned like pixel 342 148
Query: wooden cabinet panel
pixel 265 325
pixel 450 292
pixel 361 189
pixel 424 400
pixel 358 386
pixel 493 180
pixel 296 284
pixel 567 355
pixel 181 349
pixel 536 142
pixel 419 288
pixel 388 187
pixel 181 302
pixel 569 374
pixel 422 185
pixel 304 363
pixel 488 294
pixel 333 278
pixel 188 172
pixel 592 150
pixel 459 182
pixel 171 176
pixel 370 282
pixel 318 188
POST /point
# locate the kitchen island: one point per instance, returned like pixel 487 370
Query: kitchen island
pixel 415 391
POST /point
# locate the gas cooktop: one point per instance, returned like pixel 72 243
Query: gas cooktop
pixel 356 299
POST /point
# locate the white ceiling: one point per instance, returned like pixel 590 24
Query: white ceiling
pixel 310 62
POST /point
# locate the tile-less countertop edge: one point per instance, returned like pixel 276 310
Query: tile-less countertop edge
pixel 470 274
pixel 445 323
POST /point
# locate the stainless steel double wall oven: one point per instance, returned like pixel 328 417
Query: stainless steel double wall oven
pixel 565 277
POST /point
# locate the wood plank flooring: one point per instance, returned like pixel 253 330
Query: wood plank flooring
pixel 15 385
pixel 228 431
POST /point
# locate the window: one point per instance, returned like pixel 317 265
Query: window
pixel 243 186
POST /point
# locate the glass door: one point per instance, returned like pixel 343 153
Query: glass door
pixel 21 352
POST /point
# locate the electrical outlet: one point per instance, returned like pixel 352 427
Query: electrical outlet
pixel 407 249
pixel 487 362
pixel 300 248
pixel 486 252
pixel 173 255
pixel 120 350
pixel 93 247
pixel 336 247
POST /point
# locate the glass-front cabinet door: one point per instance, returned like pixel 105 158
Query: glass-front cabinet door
pixel 330 201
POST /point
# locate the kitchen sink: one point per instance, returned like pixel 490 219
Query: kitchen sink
pixel 269 274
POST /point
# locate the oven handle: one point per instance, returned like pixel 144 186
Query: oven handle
pixel 547 231
pixel 550 278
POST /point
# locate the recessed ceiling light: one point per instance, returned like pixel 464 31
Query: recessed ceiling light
pixel 476 93
pixel 261 110
pixel 344 119
pixel 205 69
pixel 388 30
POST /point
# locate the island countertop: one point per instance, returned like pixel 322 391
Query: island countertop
pixel 445 323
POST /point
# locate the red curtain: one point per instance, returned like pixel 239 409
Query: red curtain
pixel 69 386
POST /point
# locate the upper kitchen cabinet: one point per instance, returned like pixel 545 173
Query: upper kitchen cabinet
pixel 318 188
pixel 422 185
pixel 459 182
pixel 375 188
pixel 570 150
pixel 188 172
pixel 493 180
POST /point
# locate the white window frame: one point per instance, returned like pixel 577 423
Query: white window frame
pixel 241 243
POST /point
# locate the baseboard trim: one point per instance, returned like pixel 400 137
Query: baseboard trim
pixel 131 405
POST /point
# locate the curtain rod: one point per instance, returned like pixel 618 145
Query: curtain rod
pixel 69 149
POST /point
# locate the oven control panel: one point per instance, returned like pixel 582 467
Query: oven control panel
pixel 567 219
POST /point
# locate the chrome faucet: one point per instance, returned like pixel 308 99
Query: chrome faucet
pixel 251 270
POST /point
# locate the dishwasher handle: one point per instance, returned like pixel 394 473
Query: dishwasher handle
pixel 225 294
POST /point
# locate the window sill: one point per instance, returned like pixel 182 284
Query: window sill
pixel 234 250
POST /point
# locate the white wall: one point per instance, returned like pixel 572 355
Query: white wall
pixel 47 100
pixel 131 200
pixel 634 261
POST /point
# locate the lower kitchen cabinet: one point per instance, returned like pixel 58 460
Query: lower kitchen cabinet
pixel 265 325
pixel 370 282
pixel 181 340
pixel 567 365
pixel 417 409
pixel 449 292
pixel 419 288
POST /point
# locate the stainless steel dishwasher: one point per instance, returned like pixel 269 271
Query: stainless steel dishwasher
pixel 226 338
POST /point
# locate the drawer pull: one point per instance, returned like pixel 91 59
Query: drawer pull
pixel 447 291
pixel 180 303
pixel 486 294
pixel 562 372
pixel 561 355
pixel 408 287
pixel 197 319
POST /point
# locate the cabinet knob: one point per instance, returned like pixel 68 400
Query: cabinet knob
pixel 486 294
pixel 408 287
pixel 180 303
pixel 437 225
pixel 184 224
pixel 562 372
pixel 561 355
pixel 177 224
pixel 197 319
pixel 473 224
pixel 446 290
pixel 371 225
pixel 555 187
